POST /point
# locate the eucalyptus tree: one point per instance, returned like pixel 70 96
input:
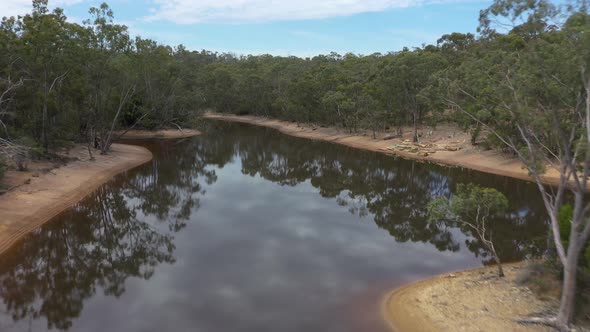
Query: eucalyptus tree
pixel 341 104
pixel 111 83
pixel 157 83
pixel 8 87
pixel 255 92
pixel 190 92
pixel 221 85
pixel 473 208
pixel 402 77
pixel 11 78
pixel 538 105
pixel 166 90
pixel 43 38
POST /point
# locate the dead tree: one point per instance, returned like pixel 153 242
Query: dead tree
pixel 17 153
pixel 9 87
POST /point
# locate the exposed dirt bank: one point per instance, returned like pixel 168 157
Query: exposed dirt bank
pixel 164 134
pixel 43 192
pixel 473 300
pixel 434 147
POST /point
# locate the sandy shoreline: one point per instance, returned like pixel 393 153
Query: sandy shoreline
pixel 159 134
pixel 44 191
pixel 484 161
pixel 30 205
pixel 475 299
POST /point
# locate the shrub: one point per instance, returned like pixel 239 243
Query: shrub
pixel 475 135
pixel 566 214
pixel 471 208
pixel 542 278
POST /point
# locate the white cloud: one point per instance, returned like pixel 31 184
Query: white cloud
pixel 20 7
pixel 240 11
pixel 15 7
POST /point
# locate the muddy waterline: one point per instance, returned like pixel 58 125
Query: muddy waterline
pixel 246 229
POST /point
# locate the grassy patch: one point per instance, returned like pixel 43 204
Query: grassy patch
pixel 542 278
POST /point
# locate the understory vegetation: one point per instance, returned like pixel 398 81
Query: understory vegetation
pixel 523 81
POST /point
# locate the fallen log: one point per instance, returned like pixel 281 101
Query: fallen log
pixel 387 138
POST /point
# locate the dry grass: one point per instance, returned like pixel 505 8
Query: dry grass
pixel 474 300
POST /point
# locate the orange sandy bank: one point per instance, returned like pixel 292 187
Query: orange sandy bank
pixel 28 206
pixel 473 300
pixel 166 133
pixel 484 161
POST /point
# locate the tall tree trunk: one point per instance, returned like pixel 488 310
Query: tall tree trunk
pixel 44 136
pixel 415 118
pixel 91 139
pixel 46 92
pixel 44 139
pixel 500 269
pixel 106 144
pixel 568 292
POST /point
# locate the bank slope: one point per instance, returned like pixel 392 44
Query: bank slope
pixel 484 161
pixel 158 134
pixel 472 300
pixel 29 206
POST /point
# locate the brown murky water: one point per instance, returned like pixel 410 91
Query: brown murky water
pixel 245 229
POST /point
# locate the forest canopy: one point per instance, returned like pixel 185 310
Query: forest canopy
pixel 524 78
pixel 64 82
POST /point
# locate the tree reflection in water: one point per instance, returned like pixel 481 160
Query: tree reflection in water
pixel 128 227
pixel 125 229
pixel 395 193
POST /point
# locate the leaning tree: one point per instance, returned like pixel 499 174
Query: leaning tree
pixel 531 88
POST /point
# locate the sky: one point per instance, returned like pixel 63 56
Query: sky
pixel 282 27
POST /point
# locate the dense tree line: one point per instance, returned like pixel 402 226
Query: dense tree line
pixel 524 77
pixel 63 82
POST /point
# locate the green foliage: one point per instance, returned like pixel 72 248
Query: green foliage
pixel 472 208
pixel 475 134
pixel 500 78
pixel 492 142
pixel 471 200
pixel 77 80
pixel 81 81
pixel 566 214
pixel 34 148
pixel 440 209
pixel 470 204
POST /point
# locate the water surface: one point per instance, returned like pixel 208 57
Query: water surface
pixel 246 229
